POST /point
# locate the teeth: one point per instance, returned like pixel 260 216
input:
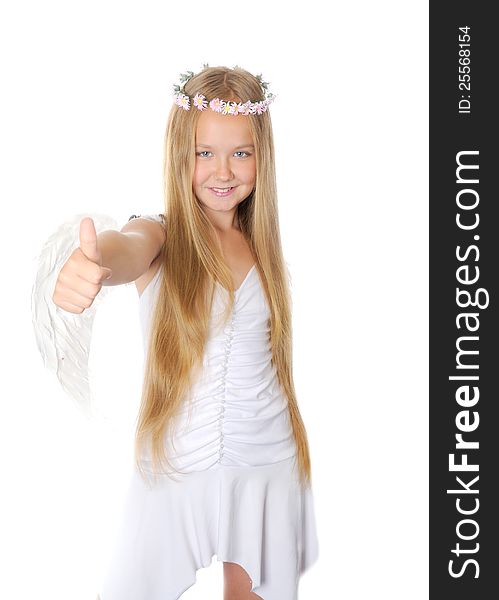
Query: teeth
pixel 222 189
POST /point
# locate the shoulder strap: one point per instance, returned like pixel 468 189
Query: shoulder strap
pixel 158 218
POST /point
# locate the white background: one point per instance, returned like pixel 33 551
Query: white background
pixel 86 94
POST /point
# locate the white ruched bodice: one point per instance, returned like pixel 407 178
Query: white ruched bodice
pixel 239 414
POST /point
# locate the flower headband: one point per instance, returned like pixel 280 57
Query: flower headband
pixel 221 106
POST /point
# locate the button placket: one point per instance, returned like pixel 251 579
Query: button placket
pixel 228 346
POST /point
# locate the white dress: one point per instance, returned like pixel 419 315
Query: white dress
pixel 237 495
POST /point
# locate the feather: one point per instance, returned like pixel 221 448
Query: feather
pixel 64 338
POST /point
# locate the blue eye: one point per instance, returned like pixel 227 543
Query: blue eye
pixel 238 152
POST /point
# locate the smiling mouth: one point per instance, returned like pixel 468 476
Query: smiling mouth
pixel 222 192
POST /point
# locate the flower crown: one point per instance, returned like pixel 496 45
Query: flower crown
pixel 223 107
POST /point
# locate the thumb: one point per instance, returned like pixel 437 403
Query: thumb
pixel 88 240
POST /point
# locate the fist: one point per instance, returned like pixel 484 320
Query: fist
pixel 80 279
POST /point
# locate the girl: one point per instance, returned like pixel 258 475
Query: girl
pixel 223 463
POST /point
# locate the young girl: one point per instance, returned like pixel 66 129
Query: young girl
pixel 223 463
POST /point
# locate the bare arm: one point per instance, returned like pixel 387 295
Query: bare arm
pixel 130 252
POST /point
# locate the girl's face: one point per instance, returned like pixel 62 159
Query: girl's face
pixel 225 158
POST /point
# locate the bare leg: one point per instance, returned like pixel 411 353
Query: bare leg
pixel 237 583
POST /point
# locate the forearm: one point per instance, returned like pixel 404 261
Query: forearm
pixel 120 254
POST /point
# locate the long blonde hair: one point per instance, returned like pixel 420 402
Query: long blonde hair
pixel 192 260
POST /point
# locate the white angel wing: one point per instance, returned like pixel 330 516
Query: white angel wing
pixel 63 338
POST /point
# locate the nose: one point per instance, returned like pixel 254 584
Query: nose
pixel 223 171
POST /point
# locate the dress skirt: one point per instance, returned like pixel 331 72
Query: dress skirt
pixel 258 517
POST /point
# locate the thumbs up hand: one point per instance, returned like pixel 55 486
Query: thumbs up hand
pixel 80 279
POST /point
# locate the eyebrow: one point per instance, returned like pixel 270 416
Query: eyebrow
pixel 237 147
